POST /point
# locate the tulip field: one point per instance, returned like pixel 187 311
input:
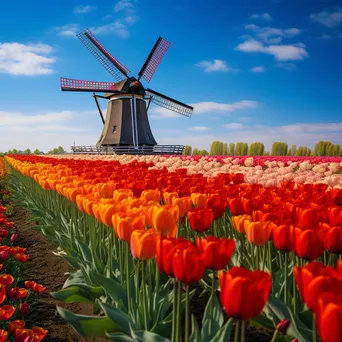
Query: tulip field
pixel 181 248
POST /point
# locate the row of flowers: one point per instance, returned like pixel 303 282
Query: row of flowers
pixel 267 172
pixel 276 228
pixel 15 294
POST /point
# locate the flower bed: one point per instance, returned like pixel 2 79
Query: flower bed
pixel 15 293
pixel 139 236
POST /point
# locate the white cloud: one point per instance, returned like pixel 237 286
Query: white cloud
pixel 331 17
pixel 82 9
pixel 206 107
pixel 123 4
pixel 117 28
pixel 259 68
pixel 264 16
pixel 131 19
pixel 215 65
pixel 286 66
pixel 68 31
pixel 325 37
pixel 27 60
pixel 280 52
pixel 47 130
pixel 233 125
pixel 199 128
pixel 272 35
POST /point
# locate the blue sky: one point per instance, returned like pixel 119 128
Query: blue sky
pixel 255 70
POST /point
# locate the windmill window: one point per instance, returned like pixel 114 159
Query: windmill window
pixel 114 129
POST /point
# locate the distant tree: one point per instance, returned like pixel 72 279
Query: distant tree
pixel 36 151
pixel 216 148
pixel 279 149
pixel 14 151
pixel 27 151
pixel 195 152
pixel 60 150
pixel 231 151
pixel 187 150
pixel 225 149
pixel 203 152
pixel 241 149
pixel 256 149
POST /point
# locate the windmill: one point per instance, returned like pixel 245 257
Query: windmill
pixel 126 122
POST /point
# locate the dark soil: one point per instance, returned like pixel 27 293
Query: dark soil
pixel 48 269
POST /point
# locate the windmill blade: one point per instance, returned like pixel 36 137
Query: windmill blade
pixel 109 62
pixel 154 58
pixel 169 103
pixel 68 84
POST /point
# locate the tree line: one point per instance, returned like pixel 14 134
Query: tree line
pixel 57 150
pixel 219 148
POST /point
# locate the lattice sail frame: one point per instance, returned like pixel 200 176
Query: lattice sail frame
pixel 154 59
pixel 106 59
pixel 68 84
pixel 168 103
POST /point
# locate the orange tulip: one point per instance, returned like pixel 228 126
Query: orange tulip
pixel 6 279
pixel 17 324
pixel 39 333
pixel 258 233
pixel 143 244
pixel 2 295
pixel 169 196
pixel 240 221
pixel 3 335
pixel 184 204
pixel 22 257
pixel 125 226
pixel 6 312
pixel 199 200
pixel 37 288
pixel 165 221
pixel 151 195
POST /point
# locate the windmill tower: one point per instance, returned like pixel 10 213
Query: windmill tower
pixel 126 122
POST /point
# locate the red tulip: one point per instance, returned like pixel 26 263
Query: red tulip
pixel 200 219
pixel 244 293
pixel 283 237
pixel 217 252
pixel 24 309
pixel 14 237
pixel 308 244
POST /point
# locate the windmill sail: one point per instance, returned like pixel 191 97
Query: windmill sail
pixel 69 84
pixel 169 103
pixel 109 62
pixel 153 60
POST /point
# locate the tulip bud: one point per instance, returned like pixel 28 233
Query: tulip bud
pixel 24 309
pixel 283 326
pixel 29 339
pixel 14 237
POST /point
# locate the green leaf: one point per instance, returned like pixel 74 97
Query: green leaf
pixel 120 337
pixel 195 333
pixel 72 294
pixel 144 336
pixel 262 321
pixel 212 319
pixel 113 288
pixel 224 333
pixel 75 278
pixel 297 328
pixel 119 317
pixel 89 326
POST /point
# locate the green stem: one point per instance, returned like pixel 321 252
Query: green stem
pixel 143 283
pixel 187 315
pixel 174 307
pixel 274 338
pixel 285 278
pixel 270 257
pixel 243 331
pixel 179 285
pixel 294 289
pixel 314 331
pixel 237 328
pixel 127 277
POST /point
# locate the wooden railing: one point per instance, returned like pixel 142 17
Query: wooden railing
pixel 157 149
